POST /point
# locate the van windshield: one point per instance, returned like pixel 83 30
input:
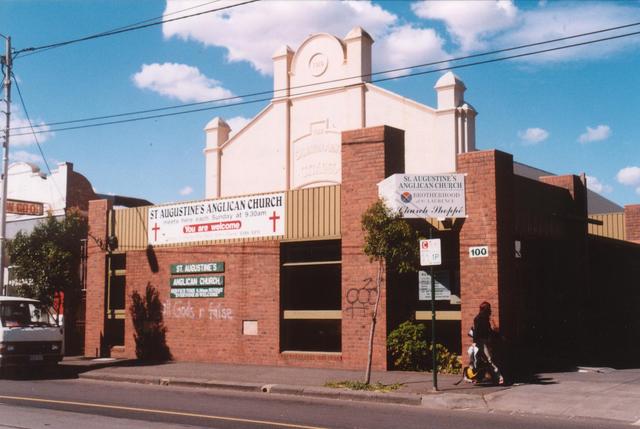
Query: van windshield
pixel 18 314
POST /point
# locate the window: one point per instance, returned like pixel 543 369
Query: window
pixel 310 296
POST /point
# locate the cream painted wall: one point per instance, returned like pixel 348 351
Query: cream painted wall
pixel 323 90
pixel 255 159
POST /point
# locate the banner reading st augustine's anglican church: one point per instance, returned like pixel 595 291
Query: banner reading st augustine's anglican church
pixel 223 219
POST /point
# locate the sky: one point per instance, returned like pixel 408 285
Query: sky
pixel 568 111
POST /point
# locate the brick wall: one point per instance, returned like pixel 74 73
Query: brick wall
pixel 368 156
pixel 489 203
pixel 632 223
pixel 79 190
pixel 96 277
pixel 210 329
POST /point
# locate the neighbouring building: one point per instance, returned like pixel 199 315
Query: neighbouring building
pixel 32 196
pixel 269 268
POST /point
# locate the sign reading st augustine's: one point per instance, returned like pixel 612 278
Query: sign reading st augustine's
pixel 222 219
pixel 425 195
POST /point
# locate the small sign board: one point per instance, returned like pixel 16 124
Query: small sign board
pixel 30 208
pixel 196 281
pixel 430 252
pixel 479 251
pixel 441 283
pixel 197 292
pixel 435 196
pixel 197 268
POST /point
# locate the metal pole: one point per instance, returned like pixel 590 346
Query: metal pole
pixel 5 161
pixel 434 352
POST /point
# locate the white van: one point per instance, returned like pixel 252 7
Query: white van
pixel 29 334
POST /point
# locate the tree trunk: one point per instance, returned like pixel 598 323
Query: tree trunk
pixel 374 315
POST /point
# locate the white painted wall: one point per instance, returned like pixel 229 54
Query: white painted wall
pixel 322 90
pixel 28 183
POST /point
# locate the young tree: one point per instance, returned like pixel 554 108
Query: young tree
pixel 390 239
pixel 46 261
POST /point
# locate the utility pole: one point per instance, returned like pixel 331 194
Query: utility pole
pixel 6 65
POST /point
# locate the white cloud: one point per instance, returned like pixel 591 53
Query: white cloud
pixel 407 46
pixel 179 81
pixel 254 32
pixel 470 22
pixel 24 156
pixel 629 176
pixel 532 136
pixel 485 25
pixel 597 186
pixel 237 123
pixel 187 190
pixel 601 132
pixel 23 136
pixel 561 19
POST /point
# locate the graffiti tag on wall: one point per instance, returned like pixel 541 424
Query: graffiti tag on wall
pixel 361 300
pixel 177 309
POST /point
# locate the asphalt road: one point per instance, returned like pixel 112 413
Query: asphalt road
pixel 71 403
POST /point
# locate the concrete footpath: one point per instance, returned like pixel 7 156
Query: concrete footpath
pixel 601 393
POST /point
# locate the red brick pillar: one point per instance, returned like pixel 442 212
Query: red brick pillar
pixel 632 223
pixel 489 222
pixel 96 277
pixel 369 155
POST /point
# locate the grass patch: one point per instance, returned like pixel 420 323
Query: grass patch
pixel 359 385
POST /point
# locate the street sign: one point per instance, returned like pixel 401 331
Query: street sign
pixel 440 282
pixel 430 253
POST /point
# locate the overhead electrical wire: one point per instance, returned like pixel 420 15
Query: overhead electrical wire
pixel 417 73
pixel 107 32
pixel 128 28
pixel 219 100
pixel 255 94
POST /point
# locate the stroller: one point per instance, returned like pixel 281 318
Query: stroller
pixel 480 370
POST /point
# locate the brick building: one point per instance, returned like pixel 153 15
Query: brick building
pixel 269 268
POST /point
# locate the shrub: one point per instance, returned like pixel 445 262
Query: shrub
pixel 410 351
pixel 150 332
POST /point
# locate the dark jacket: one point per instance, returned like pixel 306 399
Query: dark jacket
pixel 481 328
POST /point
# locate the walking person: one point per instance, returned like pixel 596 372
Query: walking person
pixel 483 330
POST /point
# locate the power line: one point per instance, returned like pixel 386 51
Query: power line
pixel 35 137
pixel 419 73
pixel 26 113
pixel 128 28
pixel 125 26
pixel 261 93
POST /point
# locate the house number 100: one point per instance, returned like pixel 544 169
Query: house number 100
pixel 479 252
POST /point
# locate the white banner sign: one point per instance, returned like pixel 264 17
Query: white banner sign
pixel 242 217
pixel 436 196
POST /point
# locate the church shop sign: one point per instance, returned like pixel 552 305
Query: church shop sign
pixel 436 196
pixel 224 219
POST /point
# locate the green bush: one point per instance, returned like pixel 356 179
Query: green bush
pixel 410 351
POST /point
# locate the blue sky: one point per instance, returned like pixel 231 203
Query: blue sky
pixel 569 111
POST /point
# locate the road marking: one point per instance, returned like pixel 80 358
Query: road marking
pixel 636 423
pixel 151 411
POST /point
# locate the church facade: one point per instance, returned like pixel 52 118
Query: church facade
pixel 269 267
